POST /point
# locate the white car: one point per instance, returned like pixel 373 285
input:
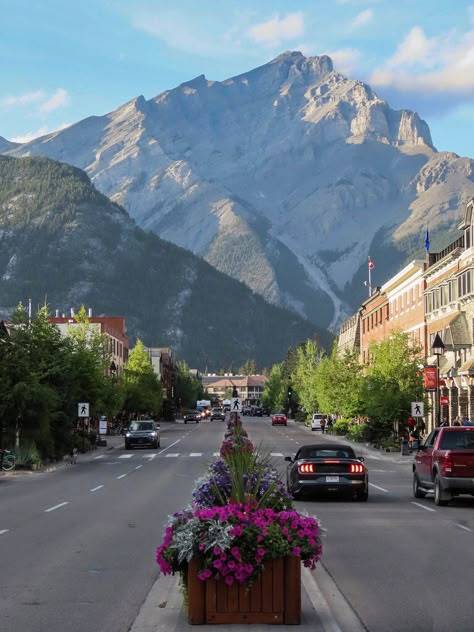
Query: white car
pixel 316 421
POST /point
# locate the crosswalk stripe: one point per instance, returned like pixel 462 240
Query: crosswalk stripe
pixel 216 454
pixel 276 454
pixel 150 456
pixel 171 455
pixel 196 454
pixel 101 456
pixel 125 456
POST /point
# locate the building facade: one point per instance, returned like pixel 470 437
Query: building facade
pixel 249 387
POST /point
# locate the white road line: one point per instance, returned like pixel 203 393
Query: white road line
pixel 276 454
pixel 138 467
pixel 101 456
pixel 170 446
pixel 121 475
pixel 150 457
pixel 172 455
pixel 195 454
pixel 94 489
pixel 216 454
pixel 56 507
pixel 371 456
pixel 377 487
pixel 125 456
pixel 461 526
pixel 3 531
pixel 385 471
pixel 422 506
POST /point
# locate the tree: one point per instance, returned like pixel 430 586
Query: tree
pixel 143 392
pixel 275 391
pixel 249 368
pixel 188 389
pixel 338 383
pixel 305 364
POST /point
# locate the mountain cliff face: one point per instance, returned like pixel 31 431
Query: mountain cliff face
pixel 286 178
pixel 64 242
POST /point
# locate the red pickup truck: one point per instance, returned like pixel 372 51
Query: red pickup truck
pixel 444 464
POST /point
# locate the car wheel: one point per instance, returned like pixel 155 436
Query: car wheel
pixel 440 496
pixel 313 429
pixel 185 421
pixel 127 446
pixel 417 492
pixel 158 444
pixel 363 495
pixel 154 445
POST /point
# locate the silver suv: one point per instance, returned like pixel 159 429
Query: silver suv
pixel 144 432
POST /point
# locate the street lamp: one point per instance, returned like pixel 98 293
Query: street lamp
pixel 113 368
pixel 438 348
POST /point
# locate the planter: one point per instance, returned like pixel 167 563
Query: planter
pixel 274 597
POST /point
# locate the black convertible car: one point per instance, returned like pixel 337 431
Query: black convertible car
pixel 327 467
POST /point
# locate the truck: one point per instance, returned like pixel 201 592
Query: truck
pixel 444 464
pixel 204 407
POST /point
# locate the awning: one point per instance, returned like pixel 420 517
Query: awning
pixel 453 329
pixel 467 368
pixel 439 325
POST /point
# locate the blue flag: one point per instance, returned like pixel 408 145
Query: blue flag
pixel 427 240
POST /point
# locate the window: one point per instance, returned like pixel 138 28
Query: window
pixel 464 283
pixel 467 238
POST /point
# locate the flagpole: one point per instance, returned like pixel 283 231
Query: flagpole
pixel 370 280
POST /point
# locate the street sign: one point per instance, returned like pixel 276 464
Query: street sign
pixel 444 401
pixel 83 409
pixel 103 425
pixel 417 409
pixel 236 405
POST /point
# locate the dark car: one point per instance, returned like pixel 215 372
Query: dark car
pixel 257 412
pixel 192 415
pixel 330 468
pixel 217 413
pixel 142 433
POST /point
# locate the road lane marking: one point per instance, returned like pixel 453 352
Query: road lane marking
pixel 150 457
pixel 216 454
pixel 94 489
pixel 121 475
pixel 385 471
pixel 195 454
pixel 371 456
pixel 422 506
pixel 377 487
pixel 56 507
pixel 461 526
pixel 173 455
pixel 101 456
pixel 3 531
pixel 138 467
pixel 276 454
pixel 170 446
pixel 125 456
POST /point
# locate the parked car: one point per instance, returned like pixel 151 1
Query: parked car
pixel 327 468
pixel 142 433
pixel 316 421
pixel 257 412
pixel 266 412
pixel 279 419
pixel 444 464
pixel 192 415
pixel 217 413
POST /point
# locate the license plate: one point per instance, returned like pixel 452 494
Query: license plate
pixel 332 479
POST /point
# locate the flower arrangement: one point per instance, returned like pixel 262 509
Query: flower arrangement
pixel 241 516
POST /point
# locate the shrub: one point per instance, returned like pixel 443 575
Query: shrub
pixel 341 427
pixel 27 455
pixel 357 432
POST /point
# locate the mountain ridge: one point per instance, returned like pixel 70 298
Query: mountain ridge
pixel 283 164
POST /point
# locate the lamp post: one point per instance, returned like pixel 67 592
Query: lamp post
pixel 438 348
pixel 112 368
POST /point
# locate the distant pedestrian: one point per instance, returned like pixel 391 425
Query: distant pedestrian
pixel 323 424
pixel 444 423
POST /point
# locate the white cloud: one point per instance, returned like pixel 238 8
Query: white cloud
pixel 274 31
pixel 42 131
pixel 22 99
pixel 345 60
pixel 59 98
pixel 361 19
pixel 442 64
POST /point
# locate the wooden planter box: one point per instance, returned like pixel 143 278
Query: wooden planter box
pixel 275 596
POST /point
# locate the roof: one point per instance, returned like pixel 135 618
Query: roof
pixel 467 368
pixel 441 323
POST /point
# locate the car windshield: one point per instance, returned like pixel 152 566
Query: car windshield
pixel 216 410
pixel 326 453
pixel 459 440
pixel 141 425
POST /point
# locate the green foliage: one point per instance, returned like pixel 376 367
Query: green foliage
pixel 188 389
pixel 274 393
pixel 27 455
pixel 248 368
pixel 143 392
pixel 305 366
pixel 357 432
pixel 341 427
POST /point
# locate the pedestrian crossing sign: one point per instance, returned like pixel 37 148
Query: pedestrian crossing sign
pixel 236 405
pixel 417 409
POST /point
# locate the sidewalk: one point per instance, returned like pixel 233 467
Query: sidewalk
pixel 163 609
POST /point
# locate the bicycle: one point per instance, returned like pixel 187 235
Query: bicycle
pixel 7 460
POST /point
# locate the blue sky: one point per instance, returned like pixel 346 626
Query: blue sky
pixel 63 61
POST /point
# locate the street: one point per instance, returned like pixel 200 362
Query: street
pixel 78 544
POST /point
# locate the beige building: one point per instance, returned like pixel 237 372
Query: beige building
pixel 249 387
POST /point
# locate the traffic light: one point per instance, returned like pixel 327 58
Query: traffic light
pixel 290 391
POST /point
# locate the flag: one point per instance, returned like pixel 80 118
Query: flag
pixel 427 240
pixel 371 265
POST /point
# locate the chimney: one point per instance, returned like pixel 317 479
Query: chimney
pixel 72 312
pixel 56 313
pixel 89 312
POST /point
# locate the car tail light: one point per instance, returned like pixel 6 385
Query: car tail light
pixel 447 465
pixel 306 468
pixel 356 468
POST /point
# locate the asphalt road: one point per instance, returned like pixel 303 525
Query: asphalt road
pixel 88 564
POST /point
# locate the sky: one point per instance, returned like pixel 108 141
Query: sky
pixel 62 61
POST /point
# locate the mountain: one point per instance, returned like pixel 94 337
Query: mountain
pixel 64 242
pixel 285 177
pixel 6 145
